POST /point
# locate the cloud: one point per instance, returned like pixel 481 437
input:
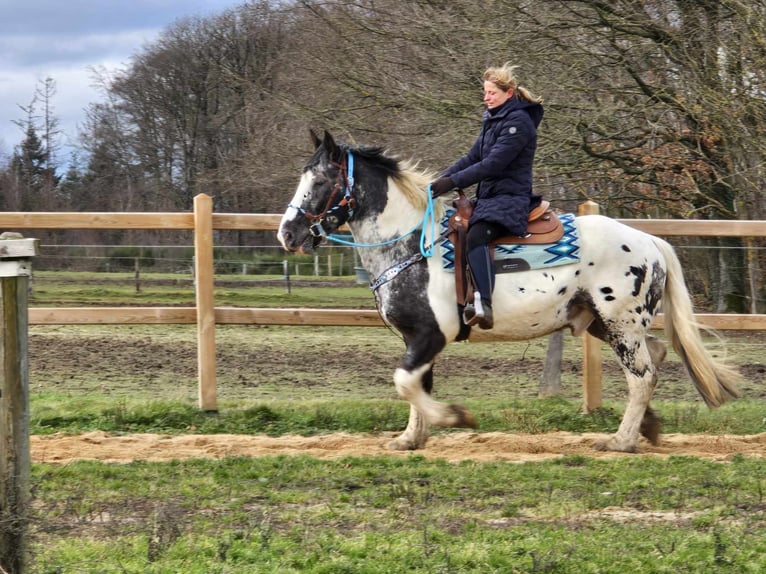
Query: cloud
pixel 66 40
pixel 79 17
pixel 34 52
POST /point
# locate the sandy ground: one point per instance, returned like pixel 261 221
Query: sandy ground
pixel 484 447
pixel 98 360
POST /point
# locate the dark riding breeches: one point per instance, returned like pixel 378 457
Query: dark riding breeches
pixel 479 259
pixel 482 232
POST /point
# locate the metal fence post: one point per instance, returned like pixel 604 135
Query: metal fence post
pixel 15 270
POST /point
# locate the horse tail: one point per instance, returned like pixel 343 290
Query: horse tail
pixel 716 381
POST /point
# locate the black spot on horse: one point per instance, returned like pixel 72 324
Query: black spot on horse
pixel 606 291
pixel 562 290
pixel 654 293
pixel 640 273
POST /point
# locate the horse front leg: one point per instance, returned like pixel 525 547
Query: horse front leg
pixel 414 385
pixel 415 435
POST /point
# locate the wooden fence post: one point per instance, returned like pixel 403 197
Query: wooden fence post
pixel 15 270
pixel 550 384
pixel 591 365
pixel 205 299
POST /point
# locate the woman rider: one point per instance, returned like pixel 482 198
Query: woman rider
pixel 500 162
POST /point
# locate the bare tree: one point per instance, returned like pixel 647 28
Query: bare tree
pixel 652 107
pixel 667 95
pixel 46 90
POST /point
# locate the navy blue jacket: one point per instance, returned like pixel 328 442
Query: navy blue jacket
pixel 500 161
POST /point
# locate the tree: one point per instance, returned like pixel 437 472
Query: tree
pixel 34 183
pixel 32 176
pixel 46 90
pixel 653 107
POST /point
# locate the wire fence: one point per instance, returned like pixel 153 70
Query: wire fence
pixel 329 261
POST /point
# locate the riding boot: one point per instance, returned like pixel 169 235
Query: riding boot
pixel 483 273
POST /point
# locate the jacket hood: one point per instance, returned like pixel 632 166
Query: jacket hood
pixel 534 109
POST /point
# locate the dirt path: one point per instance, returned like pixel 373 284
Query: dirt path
pixel 482 447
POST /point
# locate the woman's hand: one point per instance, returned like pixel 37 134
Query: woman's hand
pixel 441 186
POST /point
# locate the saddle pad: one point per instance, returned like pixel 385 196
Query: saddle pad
pixel 513 258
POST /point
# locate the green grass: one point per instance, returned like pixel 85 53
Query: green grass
pixel 381 514
pixel 53 413
pixel 69 289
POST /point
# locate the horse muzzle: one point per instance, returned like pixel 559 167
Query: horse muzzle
pixel 298 241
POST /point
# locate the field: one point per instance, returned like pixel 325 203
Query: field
pixel 291 474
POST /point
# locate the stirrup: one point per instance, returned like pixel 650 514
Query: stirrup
pixel 471 310
pixel 469 314
pixel 477 314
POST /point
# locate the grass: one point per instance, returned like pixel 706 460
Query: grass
pixel 59 289
pixel 380 514
pixel 51 414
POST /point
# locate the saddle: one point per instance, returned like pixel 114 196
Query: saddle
pixel 543 227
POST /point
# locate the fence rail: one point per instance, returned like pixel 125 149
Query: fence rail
pixel 203 221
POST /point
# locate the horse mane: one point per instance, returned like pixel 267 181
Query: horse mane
pixel 409 178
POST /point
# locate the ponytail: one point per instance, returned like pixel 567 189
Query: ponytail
pixel 525 94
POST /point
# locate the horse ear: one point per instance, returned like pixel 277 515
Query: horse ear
pixel 315 139
pixel 329 144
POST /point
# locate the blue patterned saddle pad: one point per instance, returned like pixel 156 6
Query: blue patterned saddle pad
pixel 512 258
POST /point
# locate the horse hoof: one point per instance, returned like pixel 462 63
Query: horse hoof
pixel 403 444
pixel 463 417
pixel 612 445
pixel 651 427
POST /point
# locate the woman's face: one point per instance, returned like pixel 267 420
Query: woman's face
pixel 494 96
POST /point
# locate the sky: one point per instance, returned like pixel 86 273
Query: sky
pixel 68 39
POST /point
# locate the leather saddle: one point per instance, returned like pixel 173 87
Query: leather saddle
pixel 543 227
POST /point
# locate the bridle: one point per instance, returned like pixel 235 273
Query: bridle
pixel 336 214
pixel 343 211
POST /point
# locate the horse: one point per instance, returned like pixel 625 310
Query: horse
pixel 613 291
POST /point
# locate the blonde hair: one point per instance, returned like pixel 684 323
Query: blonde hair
pixel 505 79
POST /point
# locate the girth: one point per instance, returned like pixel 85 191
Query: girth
pixel 543 227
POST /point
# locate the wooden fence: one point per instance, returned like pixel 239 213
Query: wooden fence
pixel 15 269
pixel 202 221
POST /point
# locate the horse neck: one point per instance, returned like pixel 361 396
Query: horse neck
pixel 386 216
pixel 396 217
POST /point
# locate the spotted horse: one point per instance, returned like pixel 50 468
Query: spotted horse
pixel 613 292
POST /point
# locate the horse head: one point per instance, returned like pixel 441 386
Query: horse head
pixel 324 199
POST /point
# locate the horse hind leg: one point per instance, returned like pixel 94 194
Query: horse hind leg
pixel 651 424
pixel 638 358
pixel 657 350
